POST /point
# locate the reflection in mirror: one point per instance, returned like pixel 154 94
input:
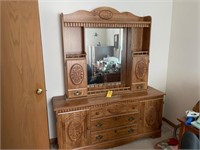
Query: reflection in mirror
pixel 104 47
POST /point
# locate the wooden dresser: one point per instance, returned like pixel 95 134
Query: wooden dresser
pixel 86 116
pixel 100 122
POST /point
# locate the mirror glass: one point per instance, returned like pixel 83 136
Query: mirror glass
pixel 104 47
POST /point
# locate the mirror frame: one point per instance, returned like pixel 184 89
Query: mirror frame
pixel 73 24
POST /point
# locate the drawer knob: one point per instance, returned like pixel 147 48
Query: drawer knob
pixel 99 125
pixel 99 137
pixel 139 87
pixel 131 118
pixel 77 93
pixel 130 131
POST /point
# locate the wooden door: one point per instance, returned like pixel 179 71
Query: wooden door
pixel 24 113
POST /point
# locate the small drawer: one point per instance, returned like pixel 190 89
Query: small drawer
pixel 120 108
pixel 98 137
pixel 139 86
pixel 132 107
pixel 77 92
pixel 96 113
pixel 115 109
pixel 112 122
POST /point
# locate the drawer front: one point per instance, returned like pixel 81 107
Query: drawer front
pixel 114 109
pixel 139 86
pixel 98 137
pixel 77 92
pixel 119 108
pixel 98 112
pixel 112 122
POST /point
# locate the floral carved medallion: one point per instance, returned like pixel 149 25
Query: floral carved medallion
pixel 76 74
pixel 75 130
pixel 151 117
pixel 140 69
pixel 117 108
pixel 105 14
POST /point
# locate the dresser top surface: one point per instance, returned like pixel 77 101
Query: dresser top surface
pixel 60 102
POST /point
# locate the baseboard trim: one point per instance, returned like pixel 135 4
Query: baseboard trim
pixel 169 122
pixel 53 141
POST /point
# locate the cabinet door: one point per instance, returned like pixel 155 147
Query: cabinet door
pixel 151 115
pixel 73 129
pixel 76 77
pixel 140 72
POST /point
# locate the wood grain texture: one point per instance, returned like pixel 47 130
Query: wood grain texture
pixel 24 114
pixel 103 15
pixel 133 111
pixel 73 129
pixel 76 77
pixel 151 115
pixel 110 121
pixel 136 39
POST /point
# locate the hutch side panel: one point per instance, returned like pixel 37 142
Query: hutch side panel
pixel 146 39
pixel 136 36
pixel 72 40
pixel 140 39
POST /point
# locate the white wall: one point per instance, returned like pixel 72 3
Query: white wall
pixel 160 10
pixel 92 40
pixel 183 85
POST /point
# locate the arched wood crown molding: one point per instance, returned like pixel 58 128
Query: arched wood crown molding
pixel 104 17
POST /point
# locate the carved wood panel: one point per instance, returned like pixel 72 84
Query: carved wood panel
pixel 151 115
pixel 76 74
pixel 86 123
pixel 76 77
pixel 106 17
pixel 140 68
pixel 140 72
pixel 74 129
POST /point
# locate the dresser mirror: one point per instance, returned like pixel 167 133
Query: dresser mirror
pixel 104 50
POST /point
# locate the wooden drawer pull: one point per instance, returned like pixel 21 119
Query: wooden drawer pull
pixel 77 93
pixel 139 87
pixel 115 118
pixel 99 137
pixel 130 130
pixel 131 118
pixel 99 125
